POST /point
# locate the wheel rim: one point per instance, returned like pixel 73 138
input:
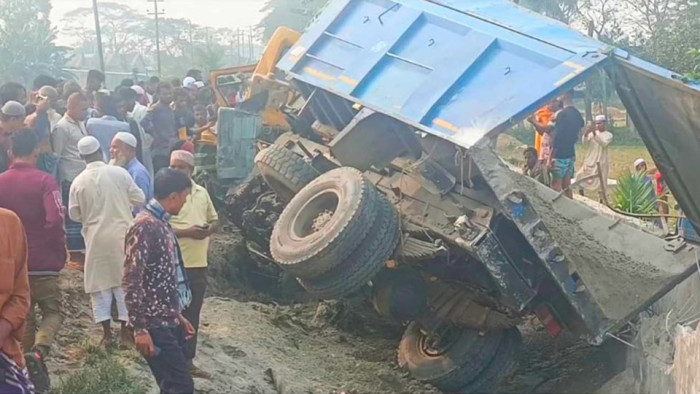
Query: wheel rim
pixel 315 215
pixel 438 343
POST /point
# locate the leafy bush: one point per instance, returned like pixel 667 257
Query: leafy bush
pixel 635 194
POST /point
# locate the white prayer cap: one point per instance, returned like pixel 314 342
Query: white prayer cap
pixel 139 90
pixel 189 83
pixel 183 156
pixel 88 145
pixel 600 119
pixel 126 138
pixel 639 162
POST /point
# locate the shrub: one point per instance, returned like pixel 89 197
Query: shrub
pixel 635 194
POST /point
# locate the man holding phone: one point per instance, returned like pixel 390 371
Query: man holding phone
pixel 193 226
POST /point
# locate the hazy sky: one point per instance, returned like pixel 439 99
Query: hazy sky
pixel 215 13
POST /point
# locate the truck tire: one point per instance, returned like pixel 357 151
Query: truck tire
pixel 284 171
pixel 365 262
pixel 324 223
pixel 468 355
pixel 500 366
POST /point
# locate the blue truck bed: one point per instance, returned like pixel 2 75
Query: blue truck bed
pixel 465 70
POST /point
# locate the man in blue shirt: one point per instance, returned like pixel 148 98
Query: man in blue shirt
pixel 106 126
pixel 122 152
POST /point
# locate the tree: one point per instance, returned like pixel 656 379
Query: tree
pixel 562 10
pixel 672 42
pixel 295 14
pixel 27 41
pixel 603 17
pixel 646 16
pixel 121 27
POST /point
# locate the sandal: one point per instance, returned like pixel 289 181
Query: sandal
pixel 38 373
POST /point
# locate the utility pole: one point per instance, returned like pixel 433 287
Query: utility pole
pixel 250 44
pixel 190 49
pixel 156 13
pixel 98 32
pixel 238 46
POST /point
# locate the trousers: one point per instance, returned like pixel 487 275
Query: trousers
pixel 168 365
pixel 198 286
pixel 47 296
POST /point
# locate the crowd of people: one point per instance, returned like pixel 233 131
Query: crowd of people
pixel 105 177
pixel 558 128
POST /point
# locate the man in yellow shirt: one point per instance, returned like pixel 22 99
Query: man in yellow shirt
pixel 193 226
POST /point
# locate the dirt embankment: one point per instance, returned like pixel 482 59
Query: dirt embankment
pixel 256 343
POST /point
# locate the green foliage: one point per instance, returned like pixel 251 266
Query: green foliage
pixel 295 14
pixel 694 73
pixel 27 46
pixel 672 42
pixel 562 10
pixel 632 194
pixel 102 373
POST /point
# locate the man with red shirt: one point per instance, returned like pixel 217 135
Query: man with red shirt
pixel 34 196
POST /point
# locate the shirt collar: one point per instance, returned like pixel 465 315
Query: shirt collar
pixel 107 117
pixel 20 165
pixel 157 210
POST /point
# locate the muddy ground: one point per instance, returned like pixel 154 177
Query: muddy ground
pixel 254 343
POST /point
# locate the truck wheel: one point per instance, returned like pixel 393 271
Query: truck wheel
pixel 365 262
pixel 499 367
pixel 453 360
pixel 284 171
pixel 324 223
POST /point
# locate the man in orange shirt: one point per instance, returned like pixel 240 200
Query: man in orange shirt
pixel 14 304
pixel 542 121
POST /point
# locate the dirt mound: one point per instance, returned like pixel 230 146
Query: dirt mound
pixel 244 344
pixel 258 347
pixel 256 343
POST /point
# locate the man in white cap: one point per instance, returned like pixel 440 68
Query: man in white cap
pixel 122 153
pixel 12 117
pixel 139 112
pixel 102 198
pixel 189 83
pixel 193 226
pixel 597 140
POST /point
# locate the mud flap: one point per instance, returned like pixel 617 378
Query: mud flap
pixel 608 271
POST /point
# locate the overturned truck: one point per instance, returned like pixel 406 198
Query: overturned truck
pixel 388 180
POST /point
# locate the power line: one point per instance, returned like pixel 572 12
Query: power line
pixel 156 13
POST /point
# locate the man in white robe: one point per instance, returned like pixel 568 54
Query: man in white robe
pixel 597 140
pixel 101 198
